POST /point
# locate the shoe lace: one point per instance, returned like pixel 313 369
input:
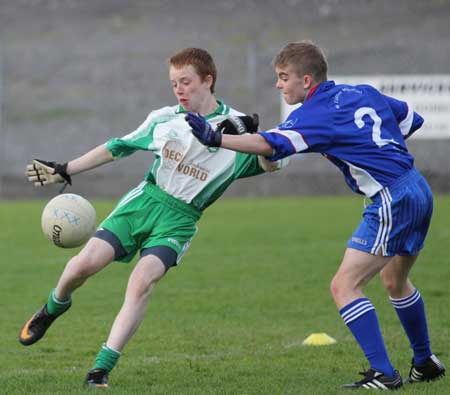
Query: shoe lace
pixel 368 375
pixel 41 318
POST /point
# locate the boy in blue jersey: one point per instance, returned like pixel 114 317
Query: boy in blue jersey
pixel 363 133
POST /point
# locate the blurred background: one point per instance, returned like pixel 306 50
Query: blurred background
pixel 74 73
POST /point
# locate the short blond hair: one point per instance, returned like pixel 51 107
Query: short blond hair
pixel 306 58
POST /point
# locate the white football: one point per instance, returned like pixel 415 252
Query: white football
pixel 68 220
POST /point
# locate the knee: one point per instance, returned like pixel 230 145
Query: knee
pixel 344 289
pixel 336 288
pixel 141 288
pixel 391 283
pixel 81 266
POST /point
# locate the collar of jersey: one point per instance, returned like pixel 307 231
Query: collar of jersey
pixel 323 86
pixel 223 109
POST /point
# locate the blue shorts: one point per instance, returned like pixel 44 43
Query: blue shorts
pixel 397 220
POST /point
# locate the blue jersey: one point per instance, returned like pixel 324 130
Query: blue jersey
pixel 357 128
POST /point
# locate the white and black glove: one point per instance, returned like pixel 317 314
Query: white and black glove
pixel 239 124
pixel 210 137
pixel 41 172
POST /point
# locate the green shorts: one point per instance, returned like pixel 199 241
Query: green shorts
pixel 148 217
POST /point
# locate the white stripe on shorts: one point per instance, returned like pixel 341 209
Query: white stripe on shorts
pixel 385 217
pixel 389 219
pixel 134 193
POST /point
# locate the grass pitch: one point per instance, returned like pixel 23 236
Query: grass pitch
pixel 230 319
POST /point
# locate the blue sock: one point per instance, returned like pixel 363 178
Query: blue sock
pixel 362 320
pixel 411 312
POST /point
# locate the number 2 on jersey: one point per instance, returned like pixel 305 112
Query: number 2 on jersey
pixel 376 128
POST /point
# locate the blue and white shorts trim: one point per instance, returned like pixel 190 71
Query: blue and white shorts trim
pixel 385 226
pixel 397 220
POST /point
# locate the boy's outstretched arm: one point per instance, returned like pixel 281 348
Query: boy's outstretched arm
pixel 248 143
pixel 42 172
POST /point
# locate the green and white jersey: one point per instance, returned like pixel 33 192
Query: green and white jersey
pixel 183 167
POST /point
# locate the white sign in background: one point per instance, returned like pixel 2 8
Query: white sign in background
pixel 429 95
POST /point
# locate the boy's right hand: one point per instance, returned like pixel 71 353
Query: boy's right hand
pixel 42 172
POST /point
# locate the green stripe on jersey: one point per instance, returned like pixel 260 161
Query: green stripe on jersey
pixel 214 189
pixel 244 165
pixel 140 139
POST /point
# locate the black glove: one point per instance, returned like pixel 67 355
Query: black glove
pixel 239 124
pixel 42 172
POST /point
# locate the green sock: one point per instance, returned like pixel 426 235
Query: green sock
pixel 56 306
pixel 106 358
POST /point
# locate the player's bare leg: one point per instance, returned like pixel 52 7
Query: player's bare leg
pixel 356 270
pixel 148 271
pixel 93 257
pixel 395 276
pixel 409 306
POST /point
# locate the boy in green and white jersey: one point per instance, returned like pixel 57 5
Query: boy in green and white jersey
pixel 157 218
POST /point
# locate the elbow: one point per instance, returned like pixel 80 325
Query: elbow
pixel 264 148
pixel 267 150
